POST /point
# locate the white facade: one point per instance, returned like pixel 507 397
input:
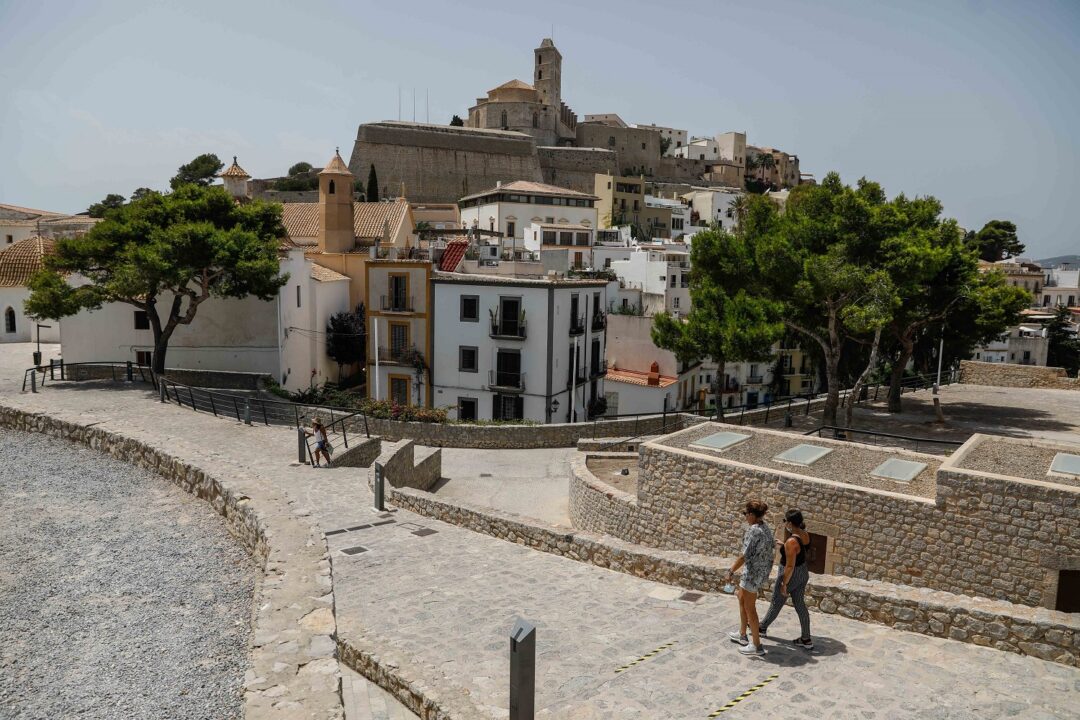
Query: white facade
pixel 715 206
pixel 16 326
pixel 661 271
pixel 680 213
pixel 303 310
pixel 731 146
pixel 1061 287
pixel 488 365
pixel 510 216
pixel 699 149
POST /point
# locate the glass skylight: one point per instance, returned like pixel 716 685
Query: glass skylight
pixel 897 469
pixel 803 454
pixel 1066 464
pixel 720 440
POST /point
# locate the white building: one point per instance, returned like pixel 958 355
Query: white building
pixel 711 205
pixel 18 262
pixel 1061 287
pixel 511 207
pixel 676 138
pixel 643 378
pixel 504 347
pixel 19 223
pixel 699 148
pixel 680 214
pixel 661 273
pixel 731 146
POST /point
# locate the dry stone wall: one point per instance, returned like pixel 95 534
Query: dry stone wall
pixel 973 372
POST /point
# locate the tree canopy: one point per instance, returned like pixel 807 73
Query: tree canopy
pixel 996 241
pixel 111 202
pixel 165 254
pixel 456 121
pixel 372 185
pixel 1064 350
pixel 345 338
pixel 300 167
pixel 200 171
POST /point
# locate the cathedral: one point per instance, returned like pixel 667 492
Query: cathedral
pixel 536 110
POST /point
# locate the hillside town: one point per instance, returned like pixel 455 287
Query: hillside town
pixel 592 386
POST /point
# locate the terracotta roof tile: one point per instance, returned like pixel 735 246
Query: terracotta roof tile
pixel 336 166
pixel 301 220
pixel 452 256
pixel 633 377
pixel 21 260
pixel 320 273
pixel 234 170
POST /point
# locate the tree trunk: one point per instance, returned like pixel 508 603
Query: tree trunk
pixel 857 390
pixel 897 376
pixel 832 395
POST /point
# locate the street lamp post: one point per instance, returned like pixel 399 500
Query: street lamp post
pixel 553 408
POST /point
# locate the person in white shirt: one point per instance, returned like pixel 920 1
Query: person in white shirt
pixel 318 431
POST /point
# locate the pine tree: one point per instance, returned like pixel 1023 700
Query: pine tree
pixel 372 185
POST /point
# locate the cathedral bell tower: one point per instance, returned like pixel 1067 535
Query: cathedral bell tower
pixel 336 234
pixel 547 73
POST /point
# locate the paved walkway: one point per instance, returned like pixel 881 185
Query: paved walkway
pixel 446 600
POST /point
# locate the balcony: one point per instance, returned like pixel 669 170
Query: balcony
pixel 403 355
pixel 599 321
pixel 598 369
pixel 578 378
pixel 507 329
pixel 397 303
pixel 501 381
pixel 754 380
pixel 577 325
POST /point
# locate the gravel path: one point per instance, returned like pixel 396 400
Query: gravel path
pixel 121 596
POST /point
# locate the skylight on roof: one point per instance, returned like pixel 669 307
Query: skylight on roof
pixel 720 440
pixel 803 454
pixel 897 469
pixel 1066 464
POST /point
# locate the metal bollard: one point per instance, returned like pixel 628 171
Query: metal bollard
pixel 162 395
pixel 301 445
pixel 247 412
pixel 380 488
pixel 787 419
pixel 33 380
pixel 130 374
pixel 522 670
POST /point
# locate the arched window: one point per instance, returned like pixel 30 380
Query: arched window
pixel 536 119
pixel 330 190
pixel 539 74
pixel 9 320
pixel 503 118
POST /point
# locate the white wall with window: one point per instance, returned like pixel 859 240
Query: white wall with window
pixel 16 326
pixel 512 207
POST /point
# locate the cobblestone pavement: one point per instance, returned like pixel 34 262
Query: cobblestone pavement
pixel 447 600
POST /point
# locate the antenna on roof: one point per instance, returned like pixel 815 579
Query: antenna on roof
pixel 414 104
pixel 427 105
pixel 399 103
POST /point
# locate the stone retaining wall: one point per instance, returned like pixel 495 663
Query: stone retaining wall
pixel 359 455
pixel 402 471
pixel 973 372
pixel 1006 626
pixel 293 670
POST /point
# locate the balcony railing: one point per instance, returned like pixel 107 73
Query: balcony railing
pixel 598 369
pixel 397 303
pixel 506 381
pixel 754 380
pixel 397 354
pixel 599 320
pixel 577 325
pixel 578 378
pixel 512 329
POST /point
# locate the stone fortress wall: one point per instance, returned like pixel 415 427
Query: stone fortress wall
pixel 576 168
pixel 973 372
pixel 979 534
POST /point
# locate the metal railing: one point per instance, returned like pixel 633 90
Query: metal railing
pixel 397 303
pixel 577 325
pixel 845 433
pixel 512 381
pixel 397 354
pixel 599 320
pixel 514 329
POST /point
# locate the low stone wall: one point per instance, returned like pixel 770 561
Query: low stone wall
pixel 293 670
pixel 218 379
pixel 598 507
pixel 402 471
pixel 1006 626
pixel 359 455
pixel 520 436
pixel 973 372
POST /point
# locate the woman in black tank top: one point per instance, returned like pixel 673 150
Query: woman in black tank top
pixel 792 577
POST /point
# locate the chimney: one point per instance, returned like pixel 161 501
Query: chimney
pixel 498 183
pixel 654 374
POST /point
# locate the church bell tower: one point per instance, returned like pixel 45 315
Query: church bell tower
pixel 336 234
pixel 547 73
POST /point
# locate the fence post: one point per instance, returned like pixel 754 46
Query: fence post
pixel 380 487
pixel 262 404
pixel 191 396
pixel 301 445
pixel 213 409
pixel 161 391
pixel 130 374
pixel 247 411
pixel 367 432
pixel 768 406
pixel 522 670
pixel 236 407
pixel 742 413
pixel 52 366
pixel 344 435
pixel 33 380
pixel 61 368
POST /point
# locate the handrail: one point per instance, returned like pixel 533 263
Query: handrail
pixel 837 430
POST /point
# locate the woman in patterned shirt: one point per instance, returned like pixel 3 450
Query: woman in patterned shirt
pixel 757 556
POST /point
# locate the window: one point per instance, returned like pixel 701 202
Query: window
pixel 470 308
pixel 9 239
pixel 539 73
pixel 143 358
pixel 9 320
pixel 566 238
pixel 582 238
pixel 1068 591
pixel 674 280
pixel 607 263
pixel 550 220
pixel 297 296
pixel 625 304
pixel 508 407
pixel 467 359
pixel 675 303
pixel 611 141
pixel 399 389
pixel 399 293
pixel 142 320
pixel 549 237
pixel 330 188
pixel 642 146
pixel 466 408
pixel 503 119
pixel 399 339
pixel 510 229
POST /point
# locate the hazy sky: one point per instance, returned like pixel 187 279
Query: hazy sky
pixel 974 102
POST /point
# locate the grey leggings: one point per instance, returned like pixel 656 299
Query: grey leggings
pixel 796 589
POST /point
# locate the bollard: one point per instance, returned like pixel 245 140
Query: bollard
pixel 787 419
pixel 522 670
pixel 247 412
pixel 301 445
pixel 380 487
pixel 33 380
pixel 162 394
pixel 130 374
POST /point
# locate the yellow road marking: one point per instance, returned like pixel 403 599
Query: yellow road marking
pixel 743 696
pixel 645 657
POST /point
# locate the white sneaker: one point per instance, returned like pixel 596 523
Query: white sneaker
pixel 737 638
pixel 750 649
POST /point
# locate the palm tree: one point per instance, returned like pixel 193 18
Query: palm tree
pixel 765 162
